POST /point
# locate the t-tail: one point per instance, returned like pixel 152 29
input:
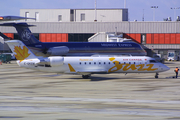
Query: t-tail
pixel 20 50
pixel 24 32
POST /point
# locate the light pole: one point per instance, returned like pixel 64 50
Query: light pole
pixel 175 12
pixel 95 11
pixel 143 15
pixel 154 7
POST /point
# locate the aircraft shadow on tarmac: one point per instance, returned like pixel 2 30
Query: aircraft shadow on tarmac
pixel 102 78
pixel 116 78
pixel 97 78
pixel 173 77
pixel 169 63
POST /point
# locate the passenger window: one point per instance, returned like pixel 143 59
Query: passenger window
pixel 152 61
pixel 99 62
pixel 104 62
pixel 129 62
pixel 85 63
pixel 89 62
pixel 94 62
pixel 109 63
pixel 80 63
pixel 124 62
pixel 119 63
pixel 114 63
pixel 134 62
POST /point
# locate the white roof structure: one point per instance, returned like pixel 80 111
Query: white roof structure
pixel 76 15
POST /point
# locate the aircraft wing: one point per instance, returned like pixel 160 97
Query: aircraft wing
pixel 91 72
pixel 86 72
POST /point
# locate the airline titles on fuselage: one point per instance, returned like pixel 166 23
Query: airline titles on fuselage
pixel 123 59
pixel 86 59
pixel 132 59
pixel 115 45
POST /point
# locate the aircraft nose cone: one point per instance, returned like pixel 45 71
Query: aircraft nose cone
pixel 166 68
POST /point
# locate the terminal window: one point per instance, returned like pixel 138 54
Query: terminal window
pixel 37 16
pixel 26 15
pixel 143 38
pixel 59 17
pixel 82 17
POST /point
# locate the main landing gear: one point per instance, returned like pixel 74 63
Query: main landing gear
pixel 156 76
pixel 85 76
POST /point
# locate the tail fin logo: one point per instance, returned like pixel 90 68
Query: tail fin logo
pixel 21 54
pixel 26 35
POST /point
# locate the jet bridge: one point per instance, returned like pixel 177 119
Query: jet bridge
pixel 108 37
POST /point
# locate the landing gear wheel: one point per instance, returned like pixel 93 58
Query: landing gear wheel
pixel 85 76
pixel 156 76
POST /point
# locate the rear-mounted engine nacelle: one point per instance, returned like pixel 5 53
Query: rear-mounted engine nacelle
pixel 54 51
pixel 56 61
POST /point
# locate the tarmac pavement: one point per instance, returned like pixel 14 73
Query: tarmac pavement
pixel 26 94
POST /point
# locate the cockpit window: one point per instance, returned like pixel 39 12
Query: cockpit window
pixel 152 61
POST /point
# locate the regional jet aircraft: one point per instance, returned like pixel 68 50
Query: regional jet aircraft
pixel 84 66
pixel 74 48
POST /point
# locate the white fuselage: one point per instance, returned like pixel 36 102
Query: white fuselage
pixel 84 65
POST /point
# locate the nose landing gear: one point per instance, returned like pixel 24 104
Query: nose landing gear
pixel 156 75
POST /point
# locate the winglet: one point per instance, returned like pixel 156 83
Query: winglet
pixel 20 50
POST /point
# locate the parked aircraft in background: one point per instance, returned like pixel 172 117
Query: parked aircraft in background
pixel 84 66
pixel 74 48
pixel 12 18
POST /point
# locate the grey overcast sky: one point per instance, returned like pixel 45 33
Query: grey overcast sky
pixel 135 7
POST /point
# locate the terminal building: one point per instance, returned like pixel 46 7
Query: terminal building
pixel 93 25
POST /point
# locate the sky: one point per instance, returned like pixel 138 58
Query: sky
pixel 136 8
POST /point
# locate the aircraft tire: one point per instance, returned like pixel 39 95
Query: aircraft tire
pixel 85 76
pixel 156 76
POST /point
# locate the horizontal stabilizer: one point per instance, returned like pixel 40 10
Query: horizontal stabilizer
pixel 16 24
pixel 12 18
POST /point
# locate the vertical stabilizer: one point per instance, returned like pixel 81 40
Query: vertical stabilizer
pixel 20 50
pixel 24 32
